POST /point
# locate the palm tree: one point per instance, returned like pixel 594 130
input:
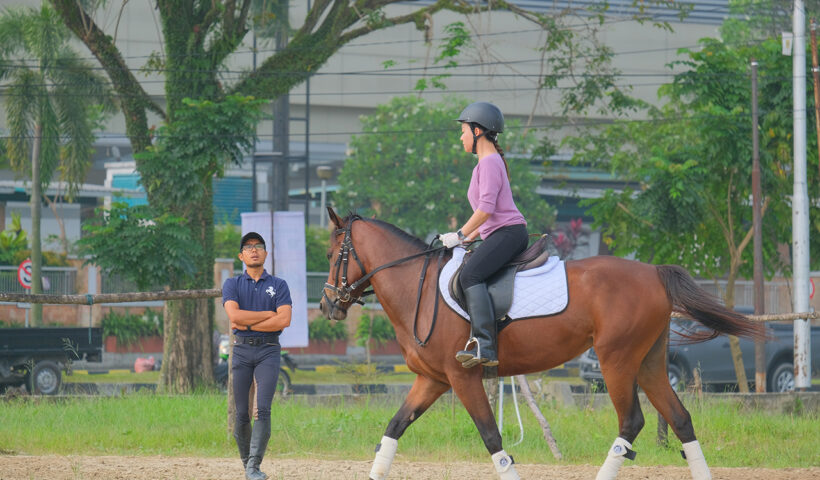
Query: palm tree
pixel 54 101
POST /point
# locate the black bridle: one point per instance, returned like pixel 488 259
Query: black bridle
pixel 347 293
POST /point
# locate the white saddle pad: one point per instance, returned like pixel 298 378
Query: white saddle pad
pixel 536 293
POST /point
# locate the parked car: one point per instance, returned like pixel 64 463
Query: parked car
pixel 36 357
pixel 713 359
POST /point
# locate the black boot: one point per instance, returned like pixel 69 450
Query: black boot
pixel 259 442
pixel 242 434
pixel 484 330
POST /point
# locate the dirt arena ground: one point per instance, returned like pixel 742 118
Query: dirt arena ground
pixel 14 467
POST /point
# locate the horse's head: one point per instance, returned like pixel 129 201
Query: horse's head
pixel 346 282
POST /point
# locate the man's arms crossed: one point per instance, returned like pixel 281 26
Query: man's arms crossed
pixel 264 321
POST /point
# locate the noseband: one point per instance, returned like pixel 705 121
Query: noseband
pixel 346 293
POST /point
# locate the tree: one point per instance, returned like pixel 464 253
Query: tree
pixel 198 38
pixel 409 168
pixel 54 102
pixel 692 162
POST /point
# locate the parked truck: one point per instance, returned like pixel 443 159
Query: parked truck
pixel 36 357
pixel 713 359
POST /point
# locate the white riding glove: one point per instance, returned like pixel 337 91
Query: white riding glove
pixel 450 239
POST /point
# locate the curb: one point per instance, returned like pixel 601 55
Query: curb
pixel 560 371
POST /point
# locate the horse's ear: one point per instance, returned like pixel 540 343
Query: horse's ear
pixel 333 217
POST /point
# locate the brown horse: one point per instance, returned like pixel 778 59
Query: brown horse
pixel 620 307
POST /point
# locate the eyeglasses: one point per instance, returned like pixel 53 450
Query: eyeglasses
pixel 257 246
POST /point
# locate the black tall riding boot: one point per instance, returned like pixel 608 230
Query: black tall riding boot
pixel 259 442
pixel 484 330
pixel 242 434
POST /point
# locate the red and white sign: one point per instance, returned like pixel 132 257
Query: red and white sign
pixel 24 274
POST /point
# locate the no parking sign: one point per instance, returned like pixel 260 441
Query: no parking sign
pixel 24 274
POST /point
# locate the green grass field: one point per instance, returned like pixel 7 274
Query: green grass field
pixel 344 428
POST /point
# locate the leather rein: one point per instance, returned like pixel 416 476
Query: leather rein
pixel 346 293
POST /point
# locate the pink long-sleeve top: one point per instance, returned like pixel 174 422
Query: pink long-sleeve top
pixel 490 192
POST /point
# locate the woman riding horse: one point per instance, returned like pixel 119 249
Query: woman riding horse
pixel 498 221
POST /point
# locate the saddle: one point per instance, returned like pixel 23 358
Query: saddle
pixel 500 285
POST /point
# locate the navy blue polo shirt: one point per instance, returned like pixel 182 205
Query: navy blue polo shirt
pixel 269 293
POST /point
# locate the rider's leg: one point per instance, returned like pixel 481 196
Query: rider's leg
pixel 484 329
pixel 493 253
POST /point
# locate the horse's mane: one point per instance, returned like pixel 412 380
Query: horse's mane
pixel 413 241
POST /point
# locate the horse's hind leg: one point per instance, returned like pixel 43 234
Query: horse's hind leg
pixel 422 394
pixel 654 380
pixel 471 392
pixel 623 391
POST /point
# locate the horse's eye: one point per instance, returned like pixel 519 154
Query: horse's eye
pixel 329 255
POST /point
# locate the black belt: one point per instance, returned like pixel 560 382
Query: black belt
pixel 256 341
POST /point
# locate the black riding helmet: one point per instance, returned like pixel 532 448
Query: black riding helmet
pixel 485 115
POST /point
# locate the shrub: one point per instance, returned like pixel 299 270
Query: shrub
pixel 129 327
pixel 322 329
pixel 376 328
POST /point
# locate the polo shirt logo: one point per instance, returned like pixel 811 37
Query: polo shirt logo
pixel 270 291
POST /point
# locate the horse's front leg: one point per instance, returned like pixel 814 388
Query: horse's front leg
pixel 471 392
pixel 422 394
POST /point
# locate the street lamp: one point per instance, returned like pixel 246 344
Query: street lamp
pixel 325 173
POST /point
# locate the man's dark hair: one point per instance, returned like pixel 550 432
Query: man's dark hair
pixel 251 236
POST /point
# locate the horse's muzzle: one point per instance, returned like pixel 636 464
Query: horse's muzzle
pixel 331 309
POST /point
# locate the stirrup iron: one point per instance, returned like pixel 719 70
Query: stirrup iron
pixel 466 357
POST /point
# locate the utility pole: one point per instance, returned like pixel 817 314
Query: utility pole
pixel 800 205
pixel 281 132
pixel 815 72
pixel 760 345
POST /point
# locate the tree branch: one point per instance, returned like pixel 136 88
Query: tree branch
pixel 135 102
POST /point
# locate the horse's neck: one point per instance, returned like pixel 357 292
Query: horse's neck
pixel 397 287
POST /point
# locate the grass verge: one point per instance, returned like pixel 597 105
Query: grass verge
pixel 344 428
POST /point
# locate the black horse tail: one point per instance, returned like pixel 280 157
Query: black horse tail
pixel 689 299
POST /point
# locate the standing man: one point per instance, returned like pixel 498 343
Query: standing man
pixel 259 307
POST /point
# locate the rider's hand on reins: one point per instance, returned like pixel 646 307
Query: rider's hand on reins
pixel 450 239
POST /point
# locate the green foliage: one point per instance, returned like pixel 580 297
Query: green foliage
pixel 140 245
pixel 691 165
pixel 374 328
pixel 316 241
pixel 202 139
pixel 12 240
pixel 49 85
pixel 226 243
pixel 409 169
pixel 129 327
pixel 456 38
pixel 51 259
pixel 321 328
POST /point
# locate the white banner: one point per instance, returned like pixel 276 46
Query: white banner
pixel 290 260
pixel 287 260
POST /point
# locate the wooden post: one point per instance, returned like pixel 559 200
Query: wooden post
pixel 757 226
pixel 545 426
pixel 815 72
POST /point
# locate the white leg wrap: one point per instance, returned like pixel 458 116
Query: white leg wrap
pixel 696 460
pixel 504 466
pixel 614 459
pixel 384 458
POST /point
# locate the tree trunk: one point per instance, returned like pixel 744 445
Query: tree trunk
pixel 36 211
pixel 188 352
pixel 734 343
